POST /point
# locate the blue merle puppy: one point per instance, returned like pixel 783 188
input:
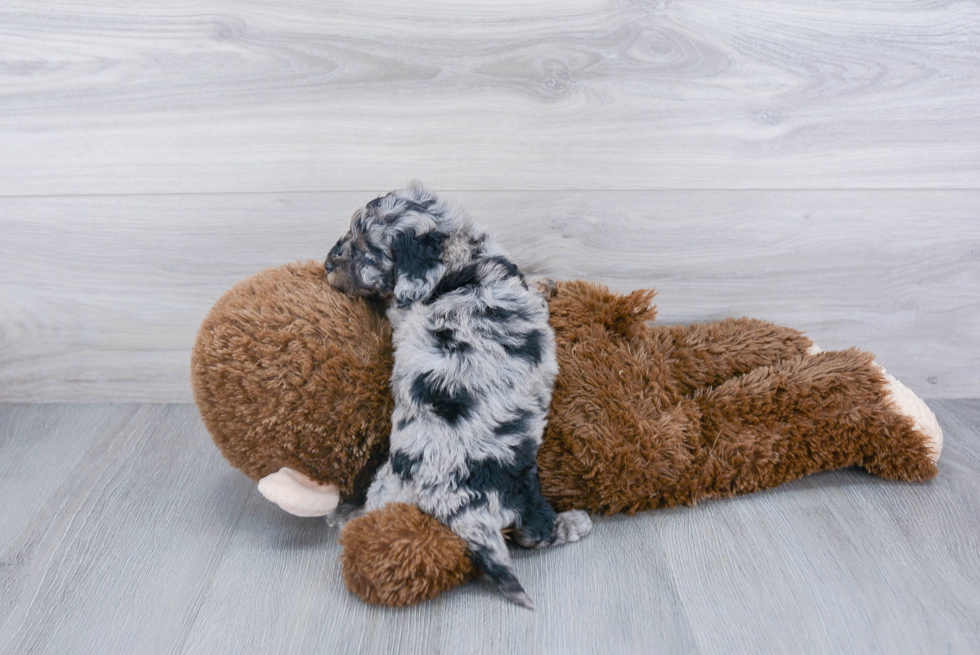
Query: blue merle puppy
pixel 473 374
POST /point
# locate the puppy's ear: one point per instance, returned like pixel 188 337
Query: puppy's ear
pixel 417 265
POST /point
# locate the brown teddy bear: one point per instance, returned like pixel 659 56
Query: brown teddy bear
pixel 291 379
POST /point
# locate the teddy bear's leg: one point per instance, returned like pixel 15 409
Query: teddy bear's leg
pixel 634 451
pixel 809 414
pixel 708 354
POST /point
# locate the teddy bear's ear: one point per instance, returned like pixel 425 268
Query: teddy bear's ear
pixel 582 303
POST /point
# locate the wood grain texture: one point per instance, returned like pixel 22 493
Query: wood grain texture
pixel 283 573
pixel 122 550
pixel 32 468
pixel 102 296
pixel 106 97
pixel 144 540
pixel 840 562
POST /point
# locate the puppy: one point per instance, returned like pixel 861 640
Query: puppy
pixel 472 380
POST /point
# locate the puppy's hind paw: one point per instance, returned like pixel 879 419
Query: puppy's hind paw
pixel 571 526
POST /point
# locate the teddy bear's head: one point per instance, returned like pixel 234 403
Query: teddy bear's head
pixel 291 378
pixel 290 373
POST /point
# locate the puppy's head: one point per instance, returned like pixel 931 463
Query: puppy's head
pixel 396 247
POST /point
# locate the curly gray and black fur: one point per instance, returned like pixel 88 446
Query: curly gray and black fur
pixel 472 380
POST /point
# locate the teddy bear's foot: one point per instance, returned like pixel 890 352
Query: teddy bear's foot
pixel 909 404
pixel 298 494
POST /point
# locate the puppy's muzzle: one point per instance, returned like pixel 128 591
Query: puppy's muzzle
pixel 334 276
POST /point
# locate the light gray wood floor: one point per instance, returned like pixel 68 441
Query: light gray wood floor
pixel 122 530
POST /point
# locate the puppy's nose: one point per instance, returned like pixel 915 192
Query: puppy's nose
pixel 328 266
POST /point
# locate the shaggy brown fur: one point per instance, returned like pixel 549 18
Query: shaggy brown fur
pixel 399 556
pixel 288 372
pixel 650 416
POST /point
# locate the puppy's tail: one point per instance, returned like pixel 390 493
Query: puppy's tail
pixel 490 555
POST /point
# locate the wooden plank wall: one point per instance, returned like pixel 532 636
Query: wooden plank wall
pixel 815 163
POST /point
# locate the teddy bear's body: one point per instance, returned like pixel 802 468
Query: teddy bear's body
pixel 651 416
pixel 291 375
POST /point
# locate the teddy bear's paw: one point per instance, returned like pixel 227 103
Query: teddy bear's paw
pixel 909 404
pixel 571 526
pixel 298 494
pixel 399 556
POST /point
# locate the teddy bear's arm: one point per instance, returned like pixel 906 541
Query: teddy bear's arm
pixel 708 354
